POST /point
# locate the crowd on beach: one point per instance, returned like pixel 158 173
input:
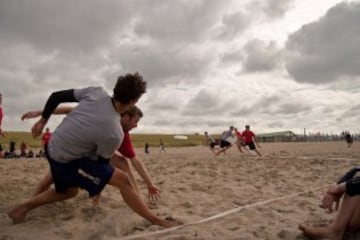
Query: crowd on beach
pixel 11 151
pixel 83 155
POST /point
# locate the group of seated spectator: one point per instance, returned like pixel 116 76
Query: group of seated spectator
pixel 24 153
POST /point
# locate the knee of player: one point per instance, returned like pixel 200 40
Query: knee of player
pixel 72 192
pixel 120 177
pixel 120 162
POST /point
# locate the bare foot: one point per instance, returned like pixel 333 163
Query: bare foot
pixel 17 214
pixel 319 232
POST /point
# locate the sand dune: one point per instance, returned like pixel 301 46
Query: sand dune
pixel 248 197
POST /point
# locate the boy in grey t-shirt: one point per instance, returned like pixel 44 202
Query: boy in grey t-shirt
pixel 81 146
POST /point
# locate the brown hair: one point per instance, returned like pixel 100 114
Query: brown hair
pixel 129 87
pixel 135 111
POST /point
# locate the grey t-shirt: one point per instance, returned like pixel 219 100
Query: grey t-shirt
pixel 92 129
pixel 226 134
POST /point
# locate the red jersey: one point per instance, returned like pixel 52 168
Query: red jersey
pixel 1 115
pixel 126 148
pixel 238 134
pixel 248 136
pixel 46 138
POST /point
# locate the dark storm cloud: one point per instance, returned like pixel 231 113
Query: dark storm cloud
pixel 328 49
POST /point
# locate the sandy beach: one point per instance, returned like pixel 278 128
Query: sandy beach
pixel 230 197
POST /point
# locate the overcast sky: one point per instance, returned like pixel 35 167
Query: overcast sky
pixel 274 64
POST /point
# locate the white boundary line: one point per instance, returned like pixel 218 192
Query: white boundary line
pixel 219 215
pixel 314 158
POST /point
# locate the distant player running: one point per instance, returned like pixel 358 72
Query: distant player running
pixel 249 139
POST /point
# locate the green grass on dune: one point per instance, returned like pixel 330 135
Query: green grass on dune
pixel 138 140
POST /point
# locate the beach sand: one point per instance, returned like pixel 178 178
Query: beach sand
pixel 249 197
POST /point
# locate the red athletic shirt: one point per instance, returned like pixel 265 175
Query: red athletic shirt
pixel 238 134
pixel 46 138
pixel 126 147
pixel 248 136
pixel 1 115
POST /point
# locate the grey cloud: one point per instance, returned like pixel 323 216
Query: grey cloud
pixel 258 106
pixel 273 105
pixel 270 8
pixel 232 57
pixel 207 103
pixel 260 56
pixel 72 26
pixel 277 124
pixel 276 8
pixel 355 108
pixel 293 108
pixel 163 66
pixel 328 49
pixel 232 25
pixel 177 20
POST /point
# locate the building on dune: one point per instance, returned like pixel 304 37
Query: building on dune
pixel 284 136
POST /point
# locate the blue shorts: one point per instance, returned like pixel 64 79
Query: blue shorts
pixel 84 173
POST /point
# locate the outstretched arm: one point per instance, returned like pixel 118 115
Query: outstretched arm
pixel 37 113
pixel 54 100
pixel 154 192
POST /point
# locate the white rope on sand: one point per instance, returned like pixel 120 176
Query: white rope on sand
pixel 314 158
pixel 219 215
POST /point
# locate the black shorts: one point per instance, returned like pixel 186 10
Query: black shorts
pixel 224 144
pixel 251 145
pixel 212 145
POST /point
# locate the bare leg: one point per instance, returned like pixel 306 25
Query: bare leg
pixel 18 213
pixel 222 150
pixel 44 184
pixel 121 180
pixel 348 219
pixel 257 152
pixel 239 147
pixel 123 164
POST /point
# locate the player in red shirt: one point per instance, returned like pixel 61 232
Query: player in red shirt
pixel 1 132
pixel 240 141
pixel 129 120
pixel 249 140
pixel 46 137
